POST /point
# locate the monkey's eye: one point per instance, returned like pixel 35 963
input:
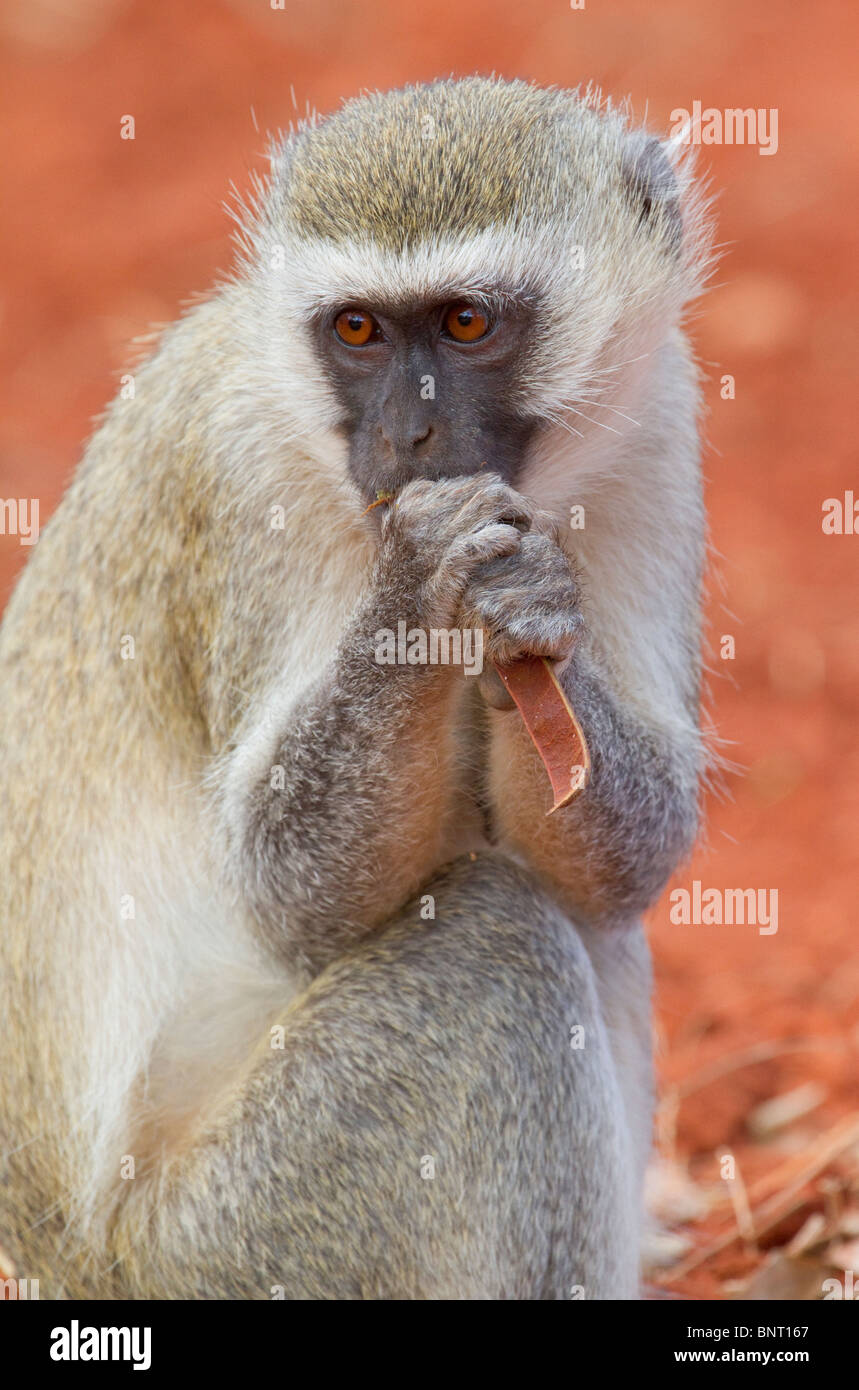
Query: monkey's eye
pixel 356 327
pixel 465 324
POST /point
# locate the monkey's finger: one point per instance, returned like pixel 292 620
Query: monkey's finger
pixel 444 507
pixel 555 642
pixel 465 553
pixel 516 623
pixel 492 504
pixel 541 571
pixel 444 496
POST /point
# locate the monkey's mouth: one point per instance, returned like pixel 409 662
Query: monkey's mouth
pixel 388 485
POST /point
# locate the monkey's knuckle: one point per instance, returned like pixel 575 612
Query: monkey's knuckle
pixel 457 494
pixel 495 501
pixel 490 542
pixel 502 645
pixel 515 627
pixel 546 551
pixel 561 596
pixel 496 491
pixel 485 479
pixel 417 489
pixel 553 576
pixel 508 499
pixel 548 526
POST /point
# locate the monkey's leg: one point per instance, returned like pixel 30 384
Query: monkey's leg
pixel 443 1121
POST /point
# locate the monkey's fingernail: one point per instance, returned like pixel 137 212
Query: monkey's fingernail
pixel 517 520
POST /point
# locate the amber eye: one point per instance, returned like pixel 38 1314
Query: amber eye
pixel 465 323
pixel 356 327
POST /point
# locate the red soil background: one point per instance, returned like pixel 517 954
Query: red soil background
pixel 102 238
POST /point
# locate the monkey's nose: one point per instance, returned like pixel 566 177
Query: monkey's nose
pixel 422 437
pixel 407 440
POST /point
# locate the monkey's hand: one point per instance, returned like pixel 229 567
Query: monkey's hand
pixel 527 604
pixel 436 537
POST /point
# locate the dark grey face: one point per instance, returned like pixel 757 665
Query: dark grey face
pixel 428 391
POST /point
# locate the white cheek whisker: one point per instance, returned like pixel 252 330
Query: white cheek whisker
pixel 602 405
pixel 599 423
pixel 616 366
pixel 554 419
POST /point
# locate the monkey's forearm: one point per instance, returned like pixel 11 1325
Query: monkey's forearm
pixel 342 821
pixel 336 806
pixel 610 852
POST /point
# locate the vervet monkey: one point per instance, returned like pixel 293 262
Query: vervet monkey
pixel 303 994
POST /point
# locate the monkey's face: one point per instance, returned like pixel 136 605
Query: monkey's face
pixel 464 274
pixel 430 389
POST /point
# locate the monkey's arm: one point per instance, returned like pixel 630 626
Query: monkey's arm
pixel 611 850
pixel 334 805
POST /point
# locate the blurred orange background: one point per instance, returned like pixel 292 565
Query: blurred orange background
pixel 102 237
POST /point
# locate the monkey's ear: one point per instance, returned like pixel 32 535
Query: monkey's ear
pixel 652 187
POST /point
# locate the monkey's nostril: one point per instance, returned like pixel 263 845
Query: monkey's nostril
pixel 405 441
